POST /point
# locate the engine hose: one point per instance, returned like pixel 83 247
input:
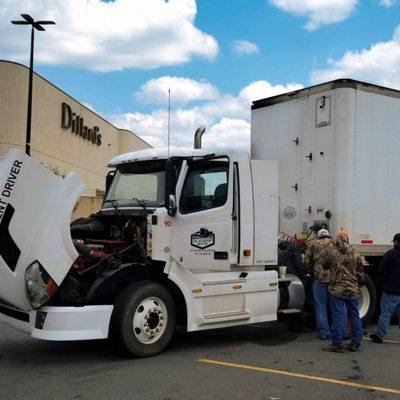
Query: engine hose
pixel 82 248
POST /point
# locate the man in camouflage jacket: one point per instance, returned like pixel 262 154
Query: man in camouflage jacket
pixel 317 262
pixel 346 277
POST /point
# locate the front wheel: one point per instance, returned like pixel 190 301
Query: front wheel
pixel 143 319
pixel 367 302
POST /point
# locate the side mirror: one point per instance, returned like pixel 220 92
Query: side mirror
pixel 109 179
pixel 171 206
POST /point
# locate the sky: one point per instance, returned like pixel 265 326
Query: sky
pixel 121 57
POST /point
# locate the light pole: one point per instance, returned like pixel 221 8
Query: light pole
pixel 28 20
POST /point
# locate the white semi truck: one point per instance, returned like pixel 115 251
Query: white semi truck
pixel 187 239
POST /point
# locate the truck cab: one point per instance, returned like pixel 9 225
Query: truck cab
pixel 186 238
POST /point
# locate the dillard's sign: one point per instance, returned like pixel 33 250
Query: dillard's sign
pixel 69 120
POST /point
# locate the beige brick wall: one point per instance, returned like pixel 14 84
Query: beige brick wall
pixel 58 148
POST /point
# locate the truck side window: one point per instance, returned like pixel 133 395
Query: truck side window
pixel 206 186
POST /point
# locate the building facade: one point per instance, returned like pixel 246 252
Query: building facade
pixel 66 135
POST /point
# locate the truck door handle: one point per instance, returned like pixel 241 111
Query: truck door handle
pixel 309 156
pixel 220 255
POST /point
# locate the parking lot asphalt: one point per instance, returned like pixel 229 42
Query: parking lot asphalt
pixel 261 361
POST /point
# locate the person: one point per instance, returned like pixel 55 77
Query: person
pixel 389 279
pixel 346 277
pixel 315 260
pixel 289 255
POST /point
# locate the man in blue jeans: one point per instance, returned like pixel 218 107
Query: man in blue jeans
pixel 316 260
pixel 389 278
pixel 346 277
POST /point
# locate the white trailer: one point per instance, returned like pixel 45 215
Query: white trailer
pixel 338 145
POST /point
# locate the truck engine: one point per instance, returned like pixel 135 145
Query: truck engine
pixel 105 243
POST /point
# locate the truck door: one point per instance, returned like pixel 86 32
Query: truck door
pixel 202 227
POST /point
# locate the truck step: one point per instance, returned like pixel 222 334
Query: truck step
pixel 226 317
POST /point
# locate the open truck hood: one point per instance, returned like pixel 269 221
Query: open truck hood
pixel 35 212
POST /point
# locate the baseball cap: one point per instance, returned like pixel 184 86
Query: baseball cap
pixel 322 232
pixel 396 238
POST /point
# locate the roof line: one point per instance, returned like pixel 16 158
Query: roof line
pixel 334 84
pixel 62 91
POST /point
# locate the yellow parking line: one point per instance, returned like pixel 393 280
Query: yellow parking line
pixel 385 341
pixel 299 375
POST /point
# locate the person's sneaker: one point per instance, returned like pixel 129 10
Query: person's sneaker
pixel 322 337
pixel 353 346
pixel 333 348
pixel 375 338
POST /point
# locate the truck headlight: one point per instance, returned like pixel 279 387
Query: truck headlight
pixel 39 286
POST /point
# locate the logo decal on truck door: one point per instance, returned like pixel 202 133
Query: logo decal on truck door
pixel 202 239
pixel 9 251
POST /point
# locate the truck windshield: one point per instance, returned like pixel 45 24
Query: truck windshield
pixel 138 184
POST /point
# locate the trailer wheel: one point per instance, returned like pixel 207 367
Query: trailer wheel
pixel 367 300
pixel 143 319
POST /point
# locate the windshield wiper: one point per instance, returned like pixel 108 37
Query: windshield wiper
pixel 114 203
pixel 141 203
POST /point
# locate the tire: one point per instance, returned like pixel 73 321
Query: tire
pixel 143 319
pixel 367 300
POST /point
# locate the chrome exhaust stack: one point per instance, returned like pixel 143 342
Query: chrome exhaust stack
pixel 198 135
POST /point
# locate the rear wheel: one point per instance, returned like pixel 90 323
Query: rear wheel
pixel 143 320
pixel 367 300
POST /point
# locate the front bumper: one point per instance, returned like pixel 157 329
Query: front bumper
pixel 61 323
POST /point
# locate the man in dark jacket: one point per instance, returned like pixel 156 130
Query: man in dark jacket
pixel 389 278
pixel 289 255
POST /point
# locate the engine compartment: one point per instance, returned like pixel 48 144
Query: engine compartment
pixel 105 242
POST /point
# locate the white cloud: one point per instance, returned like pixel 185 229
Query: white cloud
pixel 228 133
pixel 379 64
pixel 107 36
pixel 226 119
pixel 261 89
pixel 387 3
pixel 243 47
pixel 318 12
pixel 183 90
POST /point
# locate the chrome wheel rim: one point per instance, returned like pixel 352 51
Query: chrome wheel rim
pixel 364 302
pixel 150 320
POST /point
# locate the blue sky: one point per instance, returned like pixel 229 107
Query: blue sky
pixel 289 45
